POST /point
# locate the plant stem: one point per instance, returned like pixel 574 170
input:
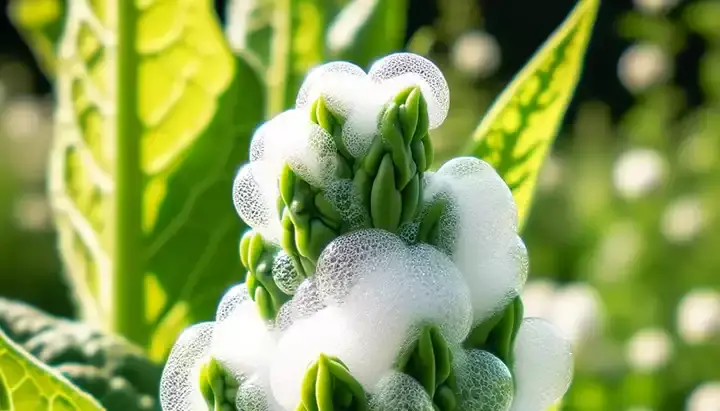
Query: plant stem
pixel 128 307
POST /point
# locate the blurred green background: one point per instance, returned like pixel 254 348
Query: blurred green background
pixel 624 237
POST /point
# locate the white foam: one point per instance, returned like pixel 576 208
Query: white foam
pixel 326 332
pixel 480 231
pixel 255 199
pixel 335 81
pixel 400 392
pixel 353 256
pixel 253 395
pixel 484 382
pixel 244 343
pixel 179 384
pixel 232 298
pixel 543 365
pixel 400 70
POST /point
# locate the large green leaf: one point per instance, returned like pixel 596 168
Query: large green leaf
pixel 286 37
pixel 154 115
pixel 518 131
pixel 28 384
pixel 41 24
pixel 366 30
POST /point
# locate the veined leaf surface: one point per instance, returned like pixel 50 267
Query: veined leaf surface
pixel 518 131
pixel 41 24
pixel 285 37
pixel 154 115
pixel 366 30
pixel 28 384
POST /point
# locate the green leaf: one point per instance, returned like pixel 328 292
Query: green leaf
pixel 285 37
pixel 518 131
pixel 366 30
pixel 154 116
pixel 41 23
pixel 28 384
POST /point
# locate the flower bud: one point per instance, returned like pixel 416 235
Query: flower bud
pixel 217 386
pixel 329 386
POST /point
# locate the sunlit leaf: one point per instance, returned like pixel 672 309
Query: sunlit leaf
pixel 153 118
pixel 41 23
pixel 28 384
pixel 286 37
pixel 366 30
pixel 518 131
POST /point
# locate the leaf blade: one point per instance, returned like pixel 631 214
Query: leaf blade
pixel 26 383
pixel 518 130
pixel 153 119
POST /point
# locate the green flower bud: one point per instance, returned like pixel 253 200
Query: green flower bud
pixel 392 169
pixel 497 334
pixel 258 257
pixel 329 386
pixel 429 362
pixel 217 387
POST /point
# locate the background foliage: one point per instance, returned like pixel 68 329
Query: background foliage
pixel 624 233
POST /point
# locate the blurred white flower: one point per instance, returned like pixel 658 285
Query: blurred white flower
pixel 649 349
pixel 21 119
pixel 698 316
pixel 644 65
pixel 683 220
pixel 32 212
pixel 655 6
pixel 538 297
pixel 619 248
pixel 476 54
pixel 705 397
pixel 637 172
pixel 577 311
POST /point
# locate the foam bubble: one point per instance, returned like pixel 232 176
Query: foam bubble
pixel 480 232
pixel 179 389
pixel 543 365
pixel 362 122
pixel 400 392
pixel 252 395
pixel 330 80
pixel 235 296
pixel 400 70
pixel 255 197
pixel 307 148
pixel 438 292
pixel 284 274
pixel 325 332
pixel 484 382
pixel 243 342
pixel 350 257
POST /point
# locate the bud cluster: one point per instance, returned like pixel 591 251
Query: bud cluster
pixel 372 283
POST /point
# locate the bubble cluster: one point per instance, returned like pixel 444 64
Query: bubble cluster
pixel 480 232
pixel 484 381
